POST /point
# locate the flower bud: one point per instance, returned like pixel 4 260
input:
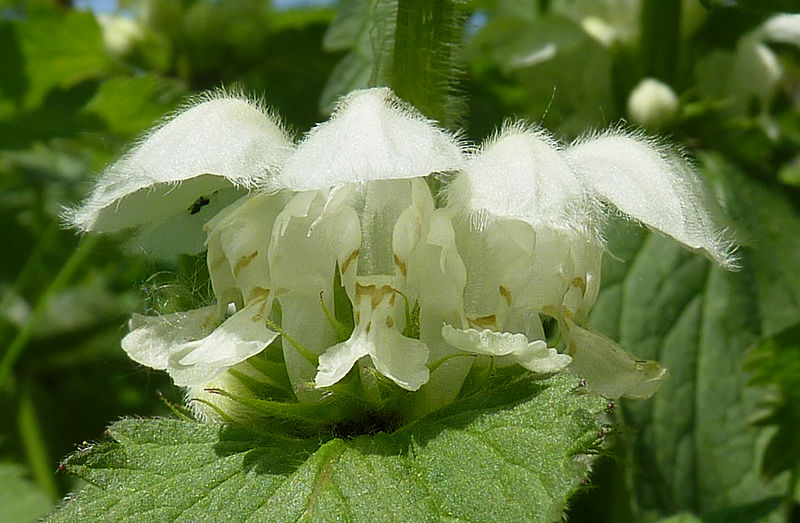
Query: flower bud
pixel 652 104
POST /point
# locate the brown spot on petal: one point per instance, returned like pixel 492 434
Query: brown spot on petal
pixel 258 293
pixel 401 265
pixel 484 321
pixel 369 327
pixel 376 295
pixel 579 283
pixel 243 262
pixel 349 260
pixel 389 321
pixel 505 293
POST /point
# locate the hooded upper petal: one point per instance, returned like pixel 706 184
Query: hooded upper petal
pixel 520 174
pixel 654 186
pixel 185 170
pixel 372 135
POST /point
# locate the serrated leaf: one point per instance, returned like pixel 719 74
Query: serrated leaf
pixel 511 454
pixel 695 441
pixel 21 500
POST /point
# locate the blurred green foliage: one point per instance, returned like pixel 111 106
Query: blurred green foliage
pixel 718 441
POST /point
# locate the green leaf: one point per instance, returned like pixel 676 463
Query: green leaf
pixel 775 362
pixel 695 442
pixel 365 28
pixel 131 105
pixel 21 499
pixel 565 74
pixel 60 49
pixel 510 454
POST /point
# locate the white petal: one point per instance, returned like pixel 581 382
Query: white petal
pixel 175 171
pixel 436 275
pixel 399 358
pixel 153 339
pixel 783 28
pixel 337 361
pixel 540 359
pixel 300 257
pixel 243 233
pixel 521 175
pixel 609 369
pixel 241 336
pixel 303 318
pixel 486 341
pixel 372 135
pixel 652 185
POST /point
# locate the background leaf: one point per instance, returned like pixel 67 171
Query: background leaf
pixel 20 499
pixel 696 450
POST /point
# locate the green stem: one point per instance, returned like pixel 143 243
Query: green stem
pixel 427 37
pixel 41 465
pixel 660 27
pixel 28 269
pixel 794 483
pixel 63 277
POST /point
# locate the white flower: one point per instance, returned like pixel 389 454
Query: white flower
pixel 532 247
pixel 120 33
pixel 185 171
pixel 368 160
pixel 345 262
pixel 652 103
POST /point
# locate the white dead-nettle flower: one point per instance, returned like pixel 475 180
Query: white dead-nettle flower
pixel 652 103
pixel 368 161
pixel 531 215
pixel 183 172
pixel 120 33
pixel 346 224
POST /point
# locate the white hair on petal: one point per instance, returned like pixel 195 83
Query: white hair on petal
pixel 215 140
pixel 655 184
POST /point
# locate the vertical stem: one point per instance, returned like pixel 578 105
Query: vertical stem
pixel 660 28
pixel 63 277
pixel 427 36
pixel 42 467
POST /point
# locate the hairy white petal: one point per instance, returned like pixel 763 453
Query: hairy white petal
pixel 181 166
pixel 520 174
pixel 241 336
pixel 609 369
pixel 652 185
pixel 372 135
pixel 153 339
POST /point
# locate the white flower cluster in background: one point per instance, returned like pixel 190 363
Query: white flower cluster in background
pixel 512 243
